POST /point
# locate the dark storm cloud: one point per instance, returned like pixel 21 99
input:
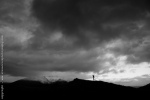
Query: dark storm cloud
pixel 15 69
pixel 63 29
pixel 75 17
pixel 9 11
pixel 28 64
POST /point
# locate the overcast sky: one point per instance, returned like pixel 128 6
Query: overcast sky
pixel 76 38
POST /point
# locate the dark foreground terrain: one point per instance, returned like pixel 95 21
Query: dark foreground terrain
pixel 76 90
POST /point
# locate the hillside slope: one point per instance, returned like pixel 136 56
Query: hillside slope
pixel 60 89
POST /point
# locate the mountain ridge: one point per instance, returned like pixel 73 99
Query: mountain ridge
pixel 62 89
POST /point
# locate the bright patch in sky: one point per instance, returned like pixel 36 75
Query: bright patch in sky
pixel 118 69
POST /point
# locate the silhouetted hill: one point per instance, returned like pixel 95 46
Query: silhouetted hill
pixel 146 87
pixel 85 84
pixel 37 84
pixel 77 88
pixel 25 82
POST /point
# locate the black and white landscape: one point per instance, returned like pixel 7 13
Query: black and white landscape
pixel 74 45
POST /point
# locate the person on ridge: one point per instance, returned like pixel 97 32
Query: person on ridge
pixel 93 77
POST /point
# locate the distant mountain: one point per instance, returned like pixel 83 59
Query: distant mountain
pixel 27 82
pixel 74 83
pixel 50 81
pixel 62 89
pixel 37 84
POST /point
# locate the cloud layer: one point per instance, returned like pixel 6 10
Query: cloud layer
pixel 73 35
pixel 89 20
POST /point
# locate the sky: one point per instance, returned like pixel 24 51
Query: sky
pixel 70 39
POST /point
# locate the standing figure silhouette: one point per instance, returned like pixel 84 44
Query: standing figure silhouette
pixel 93 77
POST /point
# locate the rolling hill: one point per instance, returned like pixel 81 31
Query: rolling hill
pixel 61 89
